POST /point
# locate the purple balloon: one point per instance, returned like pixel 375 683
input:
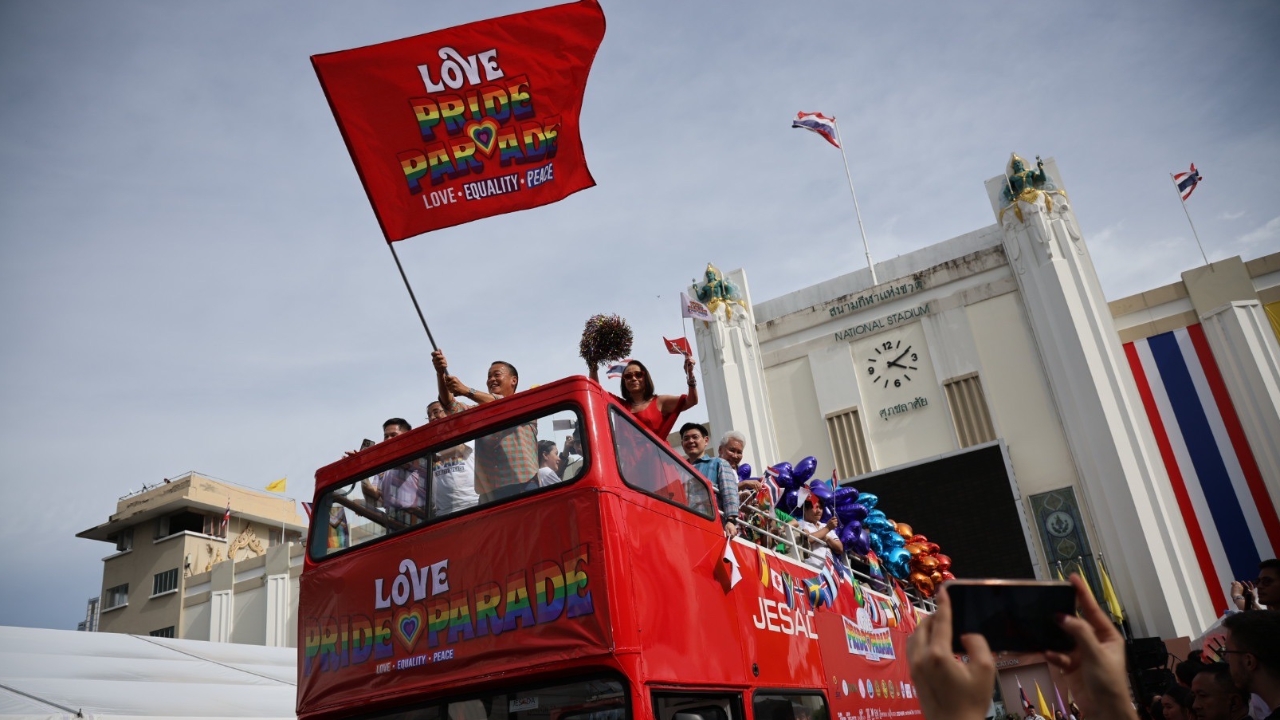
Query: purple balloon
pixel 787 503
pixel 784 479
pixel 846 494
pixel 858 512
pixel 744 471
pixel 822 492
pixel 804 470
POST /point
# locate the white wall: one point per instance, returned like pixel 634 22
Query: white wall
pixel 798 422
pixel 250 624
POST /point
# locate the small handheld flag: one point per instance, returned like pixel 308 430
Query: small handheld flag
pixel 1026 702
pixel 1187 181
pixel 730 561
pixel 679 346
pixel 818 123
pixel 277 486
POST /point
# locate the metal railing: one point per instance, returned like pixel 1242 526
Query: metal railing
pixel 794 546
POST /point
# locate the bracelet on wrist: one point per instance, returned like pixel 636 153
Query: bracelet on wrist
pixel 1237 597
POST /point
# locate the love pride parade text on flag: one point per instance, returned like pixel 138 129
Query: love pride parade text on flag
pixel 464 123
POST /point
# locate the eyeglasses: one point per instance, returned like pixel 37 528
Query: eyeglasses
pixel 632 375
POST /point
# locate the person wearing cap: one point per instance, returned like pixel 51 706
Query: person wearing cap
pixel 822 536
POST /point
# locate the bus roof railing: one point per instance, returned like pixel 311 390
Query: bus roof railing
pixel 796 551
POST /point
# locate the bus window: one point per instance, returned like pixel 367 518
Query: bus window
pixel 789 705
pixel 650 468
pixel 696 706
pixel 601 699
pixel 521 458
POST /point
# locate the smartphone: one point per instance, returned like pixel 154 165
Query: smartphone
pixel 366 444
pixel 1013 615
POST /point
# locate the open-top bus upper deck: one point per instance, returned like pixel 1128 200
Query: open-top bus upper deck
pixel 604 593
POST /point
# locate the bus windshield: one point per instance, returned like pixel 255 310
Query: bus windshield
pixel 516 459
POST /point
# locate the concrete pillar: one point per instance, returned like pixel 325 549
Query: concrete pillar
pixel 221 601
pixel 1123 481
pixel 733 378
pixel 279 607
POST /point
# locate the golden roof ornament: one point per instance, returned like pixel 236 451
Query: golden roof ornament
pixel 717 291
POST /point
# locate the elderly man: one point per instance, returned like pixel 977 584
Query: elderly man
pixel 732 444
pixel 694 440
pixel 1216 696
pixel 506 460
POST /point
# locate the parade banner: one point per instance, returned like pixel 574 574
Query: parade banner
pixel 464 123
pixel 463 606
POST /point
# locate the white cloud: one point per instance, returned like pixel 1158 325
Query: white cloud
pixel 1267 233
pixel 1231 215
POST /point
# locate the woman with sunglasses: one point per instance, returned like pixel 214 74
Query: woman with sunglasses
pixel 656 412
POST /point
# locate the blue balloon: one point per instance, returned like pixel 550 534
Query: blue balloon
pixel 898 561
pixel 874 541
pixel 804 470
pixel 869 500
pixel 893 540
pixel 744 472
pixel 873 514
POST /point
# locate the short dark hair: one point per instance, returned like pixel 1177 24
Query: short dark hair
pixel 694 426
pixel 514 373
pixel 647 390
pixel 435 402
pixel 544 447
pixel 398 422
pixel 1187 670
pixel 1221 674
pixel 1272 564
pixel 1257 632
pixel 1179 694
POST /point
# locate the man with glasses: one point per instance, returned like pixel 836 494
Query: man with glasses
pixel 1264 590
pixel 1253 655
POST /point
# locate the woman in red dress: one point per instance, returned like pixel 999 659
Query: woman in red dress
pixel 656 412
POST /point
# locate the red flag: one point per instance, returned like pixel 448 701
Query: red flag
pixel 679 346
pixel 468 122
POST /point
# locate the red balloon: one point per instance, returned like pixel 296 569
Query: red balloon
pixel 947 576
pixel 917 538
pixel 932 548
pixel 926 587
pixel 944 561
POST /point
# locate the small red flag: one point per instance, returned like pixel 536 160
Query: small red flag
pixel 679 346
pixel 468 122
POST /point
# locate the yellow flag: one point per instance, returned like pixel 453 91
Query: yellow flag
pixel 1058 569
pixel 1109 595
pixel 278 485
pixel 1044 706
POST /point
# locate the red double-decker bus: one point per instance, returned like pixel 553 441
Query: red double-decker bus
pixel 600 591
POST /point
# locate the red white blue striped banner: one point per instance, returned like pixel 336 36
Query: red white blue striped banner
pixel 1231 519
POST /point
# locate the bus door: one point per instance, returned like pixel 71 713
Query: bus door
pixel 697 706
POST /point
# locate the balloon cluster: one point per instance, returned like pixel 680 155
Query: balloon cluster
pixel 911 557
pixel 864 528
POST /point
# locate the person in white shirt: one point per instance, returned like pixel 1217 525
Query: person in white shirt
pixel 453 473
pixel 822 536
pixel 548 463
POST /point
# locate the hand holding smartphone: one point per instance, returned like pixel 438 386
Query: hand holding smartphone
pixel 1013 615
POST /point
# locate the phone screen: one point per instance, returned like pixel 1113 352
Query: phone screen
pixel 366 444
pixel 1017 616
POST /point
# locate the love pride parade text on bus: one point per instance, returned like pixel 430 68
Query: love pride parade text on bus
pixel 418 618
pixel 475 116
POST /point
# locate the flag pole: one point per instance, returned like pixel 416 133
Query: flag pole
pixel 414 298
pixel 856 210
pixel 1188 214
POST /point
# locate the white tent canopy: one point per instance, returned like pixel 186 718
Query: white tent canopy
pixel 68 674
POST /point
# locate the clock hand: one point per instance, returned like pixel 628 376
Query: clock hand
pixel 894 362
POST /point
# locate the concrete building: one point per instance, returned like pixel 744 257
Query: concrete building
pixel 182 569
pixel 985 391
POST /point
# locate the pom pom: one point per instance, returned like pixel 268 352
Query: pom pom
pixel 606 338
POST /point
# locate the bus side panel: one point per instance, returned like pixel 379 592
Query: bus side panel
pixel 779 637
pixel 687 630
pixel 866 669
pixel 415 615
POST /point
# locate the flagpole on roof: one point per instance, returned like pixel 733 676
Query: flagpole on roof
pixel 1178 190
pixel 856 210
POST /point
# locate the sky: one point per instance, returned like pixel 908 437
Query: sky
pixel 191 277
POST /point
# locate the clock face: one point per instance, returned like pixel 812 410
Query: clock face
pixel 892 363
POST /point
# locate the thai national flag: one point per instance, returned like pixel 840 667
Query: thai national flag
pixel 1187 181
pixel 615 371
pixel 1230 516
pixel 769 486
pixel 819 123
